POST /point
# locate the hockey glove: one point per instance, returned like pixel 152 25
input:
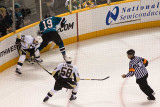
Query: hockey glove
pixel 146 64
pixel 39 33
pixel 55 77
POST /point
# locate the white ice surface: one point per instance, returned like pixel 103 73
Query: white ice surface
pixel 96 58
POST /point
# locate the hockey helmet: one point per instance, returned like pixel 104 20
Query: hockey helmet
pixel 68 60
pixel 39 39
pixel 19 35
pixel 131 52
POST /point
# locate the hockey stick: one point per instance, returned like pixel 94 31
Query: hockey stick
pixel 18 48
pixel 80 79
pixel 97 79
pixel 43 68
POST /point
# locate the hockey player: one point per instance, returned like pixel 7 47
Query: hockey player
pixel 66 76
pixel 27 43
pixel 137 66
pixel 49 33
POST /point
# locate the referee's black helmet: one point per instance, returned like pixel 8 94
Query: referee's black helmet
pixel 131 52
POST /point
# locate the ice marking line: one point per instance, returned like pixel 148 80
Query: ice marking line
pixel 121 93
pixel 154 59
pixel 75 62
pixel 124 83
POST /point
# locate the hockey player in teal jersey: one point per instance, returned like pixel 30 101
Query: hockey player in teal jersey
pixel 49 33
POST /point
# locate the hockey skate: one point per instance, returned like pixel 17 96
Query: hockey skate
pixel 18 71
pixel 151 98
pixel 72 98
pixel 46 99
pixel 31 61
pixel 38 60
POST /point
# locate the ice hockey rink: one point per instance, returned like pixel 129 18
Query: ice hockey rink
pixel 96 58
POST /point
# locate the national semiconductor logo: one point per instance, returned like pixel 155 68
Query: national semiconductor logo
pixel 130 13
pixel 111 16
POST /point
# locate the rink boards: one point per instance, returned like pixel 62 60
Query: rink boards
pixel 88 23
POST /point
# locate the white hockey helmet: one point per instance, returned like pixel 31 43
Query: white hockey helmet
pixel 68 60
pixel 39 39
pixel 19 35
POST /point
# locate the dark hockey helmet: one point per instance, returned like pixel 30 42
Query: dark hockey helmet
pixel 131 52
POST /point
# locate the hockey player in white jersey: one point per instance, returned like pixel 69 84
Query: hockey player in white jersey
pixel 66 76
pixel 27 43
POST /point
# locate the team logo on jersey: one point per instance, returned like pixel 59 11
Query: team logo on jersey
pixel 111 16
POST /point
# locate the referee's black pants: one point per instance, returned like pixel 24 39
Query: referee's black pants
pixel 143 84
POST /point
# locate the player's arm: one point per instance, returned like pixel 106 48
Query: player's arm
pixel 18 39
pixel 41 27
pixel 18 42
pixel 145 62
pixel 56 74
pixel 59 20
pixel 56 71
pixel 76 76
pixel 130 73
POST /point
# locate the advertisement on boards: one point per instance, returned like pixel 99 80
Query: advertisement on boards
pixel 150 11
pixel 70 28
pixel 8 50
pixel 133 12
pixel 93 20
pixel 123 14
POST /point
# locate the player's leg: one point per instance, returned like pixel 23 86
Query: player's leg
pixel 148 87
pixel 143 86
pixel 32 55
pixel 45 41
pixel 57 39
pixel 20 62
pixel 74 92
pixel 37 56
pixel 49 94
pixel 71 85
pixel 56 88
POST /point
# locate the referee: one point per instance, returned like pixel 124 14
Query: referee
pixel 137 67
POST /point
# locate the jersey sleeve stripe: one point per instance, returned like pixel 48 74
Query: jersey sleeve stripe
pixel 145 61
pixel 131 70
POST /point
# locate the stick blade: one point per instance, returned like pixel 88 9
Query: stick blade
pixel 103 78
pixel 106 78
pixel 97 79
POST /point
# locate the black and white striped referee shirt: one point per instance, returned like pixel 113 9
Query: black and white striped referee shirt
pixel 137 66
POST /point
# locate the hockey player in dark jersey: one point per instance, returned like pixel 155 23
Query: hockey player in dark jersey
pixel 49 33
